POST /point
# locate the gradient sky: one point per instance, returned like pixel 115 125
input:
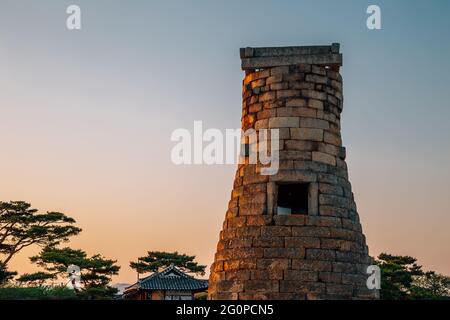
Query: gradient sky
pixel 86 116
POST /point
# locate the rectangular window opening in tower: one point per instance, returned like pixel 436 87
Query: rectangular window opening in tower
pixel 293 198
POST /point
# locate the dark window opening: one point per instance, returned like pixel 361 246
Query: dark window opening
pixel 292 199
pixel 245 150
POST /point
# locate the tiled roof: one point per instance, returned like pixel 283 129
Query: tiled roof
pixel 170 279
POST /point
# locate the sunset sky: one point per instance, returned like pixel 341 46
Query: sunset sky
pixel 86 116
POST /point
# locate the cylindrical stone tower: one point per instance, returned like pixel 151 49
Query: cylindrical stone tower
pixel 295 234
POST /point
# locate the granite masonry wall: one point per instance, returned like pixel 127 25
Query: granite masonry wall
pixel 319 255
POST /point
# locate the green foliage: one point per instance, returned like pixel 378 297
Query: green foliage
pixel 6 275
pixel 403 279
pixel 431 286
pixel 201 296
pixel 156 260
pixel 96 271
pixel 37 293
pixel 98 293
pixel 22 226
pixel 36 279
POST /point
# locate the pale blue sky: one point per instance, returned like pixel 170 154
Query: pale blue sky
pixel 86 115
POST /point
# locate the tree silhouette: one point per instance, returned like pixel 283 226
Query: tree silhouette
pixel 156 260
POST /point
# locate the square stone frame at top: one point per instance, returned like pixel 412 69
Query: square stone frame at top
pixel 313 196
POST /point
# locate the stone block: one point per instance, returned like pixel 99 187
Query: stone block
pixel 313 199
pixel 319 70
pixel 332 138
pixel 274 79
pixel 330 277
pixel 344 267
pixel 230 265
pixel 322 221
pixel 233 203
pixel 284 122
pixel 295 155
pixel 343 234
pixel 296 103
pixel 313 94
pixel 327 178
pixel 273 264
pixel 309 231
pixel 291 253
pixel 287 93
pixel 333 211
pixel 251 209
pixel 314 123
pixel 254 178
pixel 233 212
pixel 335 244
pixel 289 220
pixel 217 266
pixel 237 275
pixel 303 242
pixel 269 242
pixel 236 222
pixel 279 70
pixel 254 188
pixel 217 276
pixel 324 158
pixel 294 76
pixel 301 85
pixel 300 275
pixel 267 96
pixel 314 265
pixel 316 78
pixel 230 286
pixel 244 253
pixel 334 75
pixel 316 104
pixel 261 286
pixel 264 114
pixel 332 100
pixel 284 133
pixel 275 231
pixel 281 86
pixel 301 145
pixel 258 83
pixel 224 296
pixel 261 74
pixel 320 254
pixel 328 148
pixel 262 124
pixel 348 256
pixel 310 165
pixel 355 279
pixel 257 220
pixel 255 108
pixel 307 134
pixel 295 112
pixel 252 199
pixel 296 287
pixel 293 176
pixel 331 189
pixel 247 231
pixel 340 289
pixel 248 263
pixel 273 274
pixel 336 85
pixel 335 201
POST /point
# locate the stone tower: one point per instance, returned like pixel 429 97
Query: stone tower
pixel 295 234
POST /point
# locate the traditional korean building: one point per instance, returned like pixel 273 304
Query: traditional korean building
pixel 169 284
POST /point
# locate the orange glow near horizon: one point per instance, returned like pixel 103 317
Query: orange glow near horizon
pixel 86 118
